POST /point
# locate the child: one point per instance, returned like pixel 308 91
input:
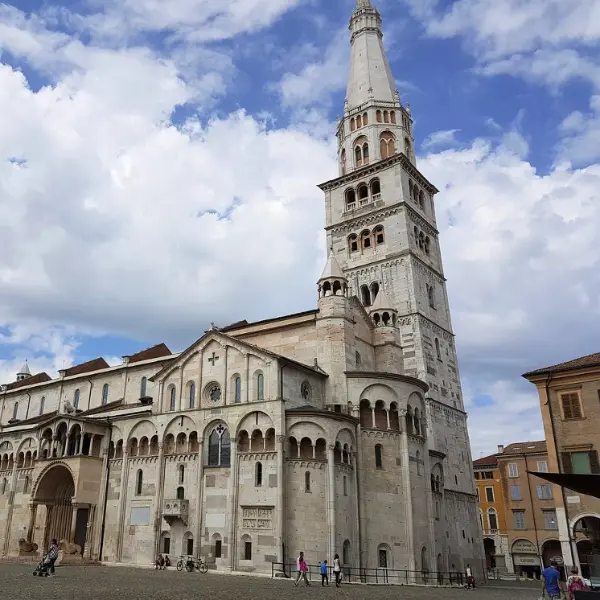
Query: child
pixel 324 573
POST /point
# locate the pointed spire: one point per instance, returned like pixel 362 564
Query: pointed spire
pixel 24 372
pixel 332 269
pixel 370 74
pixel 382 302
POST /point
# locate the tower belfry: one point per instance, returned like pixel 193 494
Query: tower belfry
pixel 380 213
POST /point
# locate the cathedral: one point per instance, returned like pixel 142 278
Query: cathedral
pixel 336 430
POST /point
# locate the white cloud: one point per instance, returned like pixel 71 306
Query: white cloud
pixel 440 138
pixel 580 143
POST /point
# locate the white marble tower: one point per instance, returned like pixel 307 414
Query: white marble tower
pixel 380 213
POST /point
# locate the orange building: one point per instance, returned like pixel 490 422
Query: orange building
pixel 492 514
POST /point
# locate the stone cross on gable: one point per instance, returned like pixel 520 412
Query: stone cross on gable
pixel 213 358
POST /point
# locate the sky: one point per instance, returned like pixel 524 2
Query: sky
pixel 159 164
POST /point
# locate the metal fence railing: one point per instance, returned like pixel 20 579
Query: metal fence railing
pixel 380 575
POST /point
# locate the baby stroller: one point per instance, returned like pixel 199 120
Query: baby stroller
pixel 43 567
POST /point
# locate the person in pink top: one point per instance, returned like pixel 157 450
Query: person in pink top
pixel 302 570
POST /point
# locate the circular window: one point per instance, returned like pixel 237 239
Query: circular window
pixel 213 392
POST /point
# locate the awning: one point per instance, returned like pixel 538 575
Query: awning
pixel 581 483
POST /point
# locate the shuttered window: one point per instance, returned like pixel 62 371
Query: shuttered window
pixel 571 406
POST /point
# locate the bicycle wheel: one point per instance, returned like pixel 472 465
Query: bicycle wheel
pixel 180 565
pixel 203 568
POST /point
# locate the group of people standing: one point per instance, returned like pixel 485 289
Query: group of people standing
pixel 554 587
pixel 323 568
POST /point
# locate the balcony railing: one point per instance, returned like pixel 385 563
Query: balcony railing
pixel 176 510
pixel 363 202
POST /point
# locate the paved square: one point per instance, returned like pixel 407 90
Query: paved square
pixel 115 583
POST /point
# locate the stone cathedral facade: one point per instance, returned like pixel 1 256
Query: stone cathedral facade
pixel 337 430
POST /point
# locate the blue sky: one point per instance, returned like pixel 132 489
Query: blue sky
pixel 159 162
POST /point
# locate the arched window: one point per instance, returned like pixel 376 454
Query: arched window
pixel 386 116
pixel 15 410
pixel 172 397
pixel 365 239
pixel 192 396
pixel 353 243
pixel 375 190
pixel 139 480
pixel 76 399
pixel 365 295
pixel 378 235
pixel 365 119
pixel 493 518
pixel 42 402
pixel 26 485
pixel 166 543
pixel 346 552
pixel 431 296
pixel 407 148
pixel 181 473
pixel 350 199
pixel 219 447
pixel 393 117
pixel 307 482
pixel 374 291
pixel 343 161
pixel 105 393
pixel 143 385
pixel 358 156
pixel 387 146
pixel 422 199
pixel 378 456
pixel 352 124
pixel 378 116
pixel 258 478
pixel 361 151
pixel 358 122
pixel 345 485
pixel 437 349
pixel 180 493
pixel 358 359
pixel 260 387
pixel 365 152
pixel 426 245
pixel 363 194
pixel 237 389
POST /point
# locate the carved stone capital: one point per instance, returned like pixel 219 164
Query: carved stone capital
pixel 281 439
pixel 331 447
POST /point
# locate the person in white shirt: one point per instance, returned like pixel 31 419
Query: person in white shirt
pixel 337 570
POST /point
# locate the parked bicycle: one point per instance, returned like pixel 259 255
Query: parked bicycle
pixel 191 564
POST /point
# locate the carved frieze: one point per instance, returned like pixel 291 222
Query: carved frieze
pixel 360 222
pixel 257 517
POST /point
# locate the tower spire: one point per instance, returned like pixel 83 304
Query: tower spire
pixel 363 4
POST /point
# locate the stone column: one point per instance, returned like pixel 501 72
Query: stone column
pixel 430 506
pixel 11 506
pixel 160 495
pixel 90 532
pixel 75 508
pixel 122 503
pixel 373 418
pixel 331 499
pixel 410 545
pixel 247 385
pixel 387 415
pixel 233 504
pixel 359 537
pixel 32 514
pixel 280 496
pixel 95 550
pixel 200 497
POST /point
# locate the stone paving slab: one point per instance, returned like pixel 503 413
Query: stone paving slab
pixel 121 583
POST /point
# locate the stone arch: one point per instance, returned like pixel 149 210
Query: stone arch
pixel 346 436
pixel 384 561
pixel 254 420
pixel 380 391
pixel 179 424
pixel 144 428
pixel 32 447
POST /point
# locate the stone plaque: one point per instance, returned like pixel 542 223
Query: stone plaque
pixel 257 518
pixel 140 515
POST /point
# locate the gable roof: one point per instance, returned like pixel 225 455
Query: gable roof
pixel 155 351
pixel 332 269
pixel 486 461
pixel 38 419
pixel 523 448
pixel 95 364
pixel 219 333
pixel 244 323
pixel 37 378
pixel 591 360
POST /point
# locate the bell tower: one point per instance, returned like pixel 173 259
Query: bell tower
pixel 380 213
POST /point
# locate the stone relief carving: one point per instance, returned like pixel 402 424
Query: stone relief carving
pixel 257 518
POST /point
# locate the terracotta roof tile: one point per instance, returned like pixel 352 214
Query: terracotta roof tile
pixel 101 409
pixel 486 461
pixel 524 448
pixel 91 365
pixel 591 360
pixel 153 352
pixel 37 419
pixel 37 378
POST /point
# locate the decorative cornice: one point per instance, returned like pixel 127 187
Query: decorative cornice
pixel 437 454
pixel 376 167
pixel 420 221
pixel 392 376
pixel 443 406
pixel 380 433
pixel 307 462
pixel 265 455
pixel 366 219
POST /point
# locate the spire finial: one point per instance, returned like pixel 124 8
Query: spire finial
pixel 363 3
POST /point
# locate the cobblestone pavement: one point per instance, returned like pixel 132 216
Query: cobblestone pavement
pixel 120 583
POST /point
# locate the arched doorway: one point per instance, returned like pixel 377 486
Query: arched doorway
pixel 489 547
pixel 552 551
pixel 55 490
pixel 586 532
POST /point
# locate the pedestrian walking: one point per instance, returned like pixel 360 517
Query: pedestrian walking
pixel 551 581
pixel 324 573
pixel 576 583
pixel 337 570
pixel 470 578
pixel 302 570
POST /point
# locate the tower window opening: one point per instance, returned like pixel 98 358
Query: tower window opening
pixel 431 296
pixel 410 188
pixel 374 290
pixel 307 482
pixel 350 199
pixel 427 245
pixel 358 122
pixel 358 156
pixel 421 240
pixel 343 161
pixel 377 318
pixel 393 117
pixel 416 193
pixel 386 116
pixel 352 124
pixel 437 349
pixel 363 194
pixel 353 243
pixel 407 148
pixel 365 153
pixel 422 199
pixel 365 238
pixel 378 116
pixel 365 119
pixel 387 145
pixel 365 295
pixel 386 318
pixel 379 236
pixel 378 457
